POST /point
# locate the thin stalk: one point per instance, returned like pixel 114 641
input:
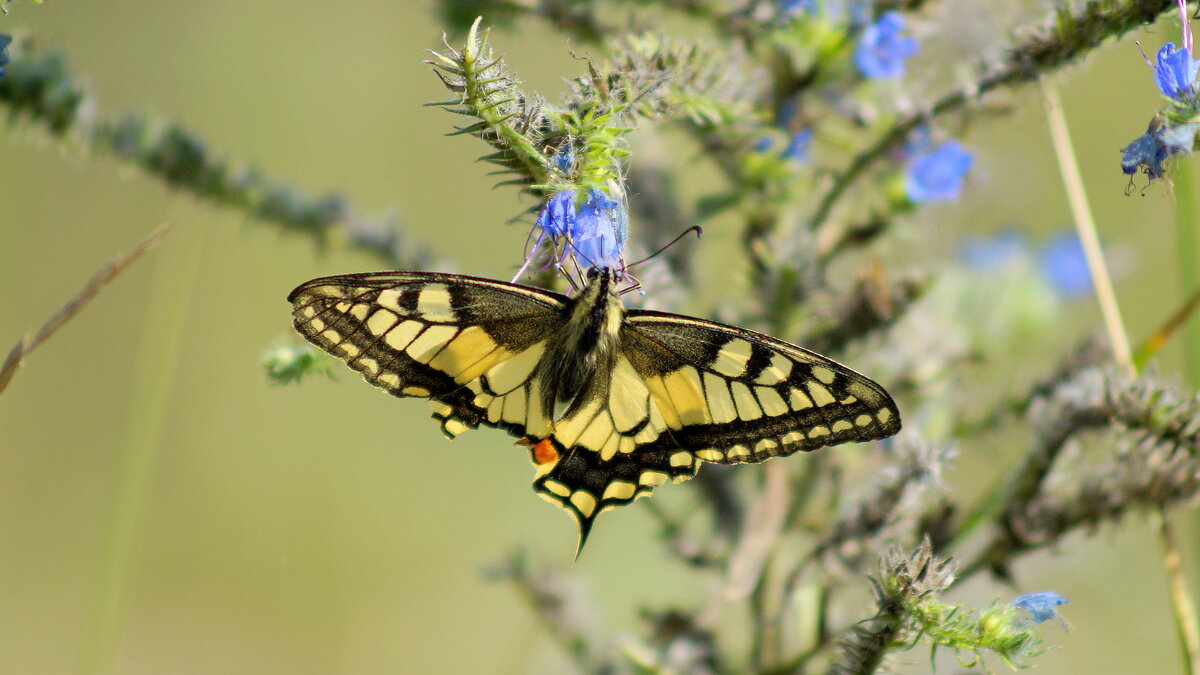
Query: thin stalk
pixel 1186 626
pixel 1085 225
pixel 141 439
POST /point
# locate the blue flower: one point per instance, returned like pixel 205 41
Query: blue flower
pixel 598 235
pixel 764 143
pixel 881 50
pixel 799 145
pixel 1041 606
pixel 558 215
pixel 1065 267
pixel 5 40
pixel 564 157
pixel 992 254
pixel 1174 71
pixel 937 175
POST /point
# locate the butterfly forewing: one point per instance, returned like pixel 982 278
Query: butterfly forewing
pixel 472 345
pixel 730 395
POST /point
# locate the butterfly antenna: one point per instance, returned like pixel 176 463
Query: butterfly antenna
pixel 669 244
pixel 637 283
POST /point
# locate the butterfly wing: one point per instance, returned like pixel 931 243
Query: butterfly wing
pixel 471 345
pixel 686 390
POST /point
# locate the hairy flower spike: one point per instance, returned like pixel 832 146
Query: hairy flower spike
pixel 882 50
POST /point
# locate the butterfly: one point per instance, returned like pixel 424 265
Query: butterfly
pixel 610 402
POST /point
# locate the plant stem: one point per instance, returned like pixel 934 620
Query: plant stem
pixel 1085 225
pixel 1186 625
pixel 159 353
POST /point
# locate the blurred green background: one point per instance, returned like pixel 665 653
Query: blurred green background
pixel 310 529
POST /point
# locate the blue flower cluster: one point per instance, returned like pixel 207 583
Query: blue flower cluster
pixel 882 50
pixel 596 232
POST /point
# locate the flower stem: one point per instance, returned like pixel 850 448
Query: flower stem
pixel 1186 625
pixel 1085 225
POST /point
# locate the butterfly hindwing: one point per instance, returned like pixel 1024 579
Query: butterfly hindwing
pixel 470 344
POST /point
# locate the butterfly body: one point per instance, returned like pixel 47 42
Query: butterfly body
pixel 610 402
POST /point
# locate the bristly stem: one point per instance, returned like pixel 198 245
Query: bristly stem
pixel 1085 225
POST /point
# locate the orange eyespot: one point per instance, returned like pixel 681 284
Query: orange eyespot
pixel 543 452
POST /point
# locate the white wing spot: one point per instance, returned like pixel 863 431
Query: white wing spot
pixel 710 455
pixel 584 501
pixel 842 425
pixel 772 402
pixel 652 478
pixel 399 337
pixel 792 437
pixel 747 407
pixel 415 391
pixel 434 304
pixel 681 459
pixel 389 298
pixel 430 342
pixel 720 402
pixel 884 415
pixel 369 366
pixel 557 488
pixel 454 427
pixel 820 394
pixel 390 379
pixel 732 358
pixel 777 371
pixel 799 400
pixel 818 431
pixel 381 322
pixel 863 420
pixel 823 374
pixel 619 490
